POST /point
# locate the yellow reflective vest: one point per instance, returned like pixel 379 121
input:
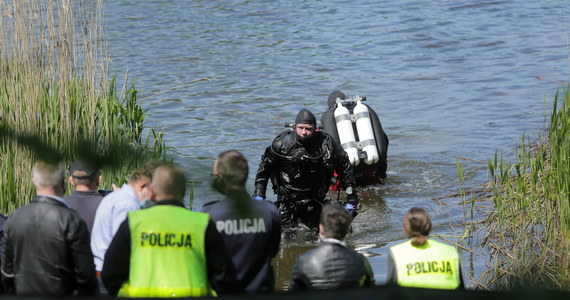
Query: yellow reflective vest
pixel 433 265
pixel 167 253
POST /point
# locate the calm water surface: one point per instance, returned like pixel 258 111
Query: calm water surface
pixel 448 79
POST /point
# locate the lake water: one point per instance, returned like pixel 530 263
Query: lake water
pixel 448 79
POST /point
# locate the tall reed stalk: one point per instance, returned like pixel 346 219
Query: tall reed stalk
pixel 57 100
pixel 529 233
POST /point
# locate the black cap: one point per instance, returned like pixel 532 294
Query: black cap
pixel 305 117
pixel 82 169
pixel 332 97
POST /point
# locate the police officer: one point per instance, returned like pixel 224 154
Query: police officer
pixel 301 164
pixel 251 229
pixel 174 251
pixel 422 262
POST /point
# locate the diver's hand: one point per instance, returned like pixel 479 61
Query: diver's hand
pixel 351 196
pixel 352 210
pixel 352 205
pixel 259 192
pixel 352 199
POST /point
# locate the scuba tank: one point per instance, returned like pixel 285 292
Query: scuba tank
pixel 366 133
pixel 345 133
pixel 371 141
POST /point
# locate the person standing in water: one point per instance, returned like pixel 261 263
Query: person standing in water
pixel 301 164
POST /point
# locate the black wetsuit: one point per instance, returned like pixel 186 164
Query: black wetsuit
pixel 301 173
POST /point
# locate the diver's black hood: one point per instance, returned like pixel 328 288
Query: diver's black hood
pixel 306 117
pixel 332 97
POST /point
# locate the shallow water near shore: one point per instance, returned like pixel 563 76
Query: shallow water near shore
pixel 448 79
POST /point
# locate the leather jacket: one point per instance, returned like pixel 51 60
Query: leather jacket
pixel 331 266
pixel 47 252
pixel 302 170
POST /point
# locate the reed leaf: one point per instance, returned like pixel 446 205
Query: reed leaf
pixel 57 99
pixel 529 231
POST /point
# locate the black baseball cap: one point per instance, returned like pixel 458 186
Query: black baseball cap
pixel 82 169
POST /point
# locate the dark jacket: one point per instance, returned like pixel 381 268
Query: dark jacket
pixel 221 271
pixel 303 170
pixel 47 251
pixel 251 230
pixel 85 203
pixel 331 266
pixel 3 219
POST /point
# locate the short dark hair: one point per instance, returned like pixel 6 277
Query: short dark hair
pixel 169 180
pixel 233 168
pixel 335 221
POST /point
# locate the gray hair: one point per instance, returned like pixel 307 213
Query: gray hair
pixel 48 174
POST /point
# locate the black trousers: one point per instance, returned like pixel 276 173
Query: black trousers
pixel 307 212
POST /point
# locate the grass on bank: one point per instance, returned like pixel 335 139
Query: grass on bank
pixel 528 234
pixel 57 100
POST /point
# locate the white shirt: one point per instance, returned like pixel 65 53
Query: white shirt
pixel 110 214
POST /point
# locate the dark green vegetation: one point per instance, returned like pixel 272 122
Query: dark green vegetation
pixel 57 99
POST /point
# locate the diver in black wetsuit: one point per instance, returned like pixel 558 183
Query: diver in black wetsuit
pixel 301 164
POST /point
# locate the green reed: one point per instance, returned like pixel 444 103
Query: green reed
pixel 56 98
pixel 529 232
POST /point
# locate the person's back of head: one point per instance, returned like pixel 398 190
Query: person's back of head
pixel 230 176
pixel 168 183
pixel 335 221
pixel 417 225
pixel 49 176
pixel 231 170
pixel 85 173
